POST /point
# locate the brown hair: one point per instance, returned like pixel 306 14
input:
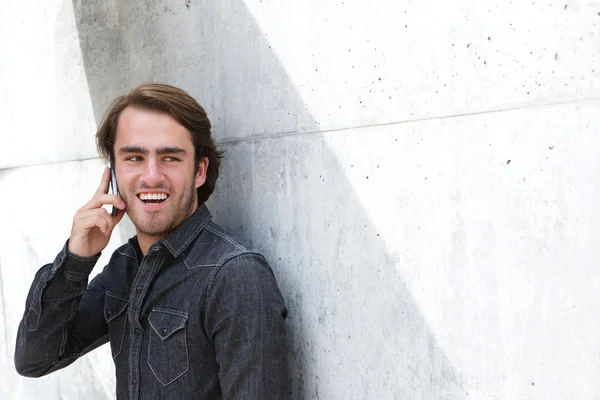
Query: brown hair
pixel 179 105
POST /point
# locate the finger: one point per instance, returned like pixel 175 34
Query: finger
pixel 90 222
pixel 89 216
pixel 105 199
pixel 106 215
pixel 92 213
pixel 104 183
pixel 85 213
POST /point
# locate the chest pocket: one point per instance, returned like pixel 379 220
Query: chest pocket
pixel 168 349
pixel 116 318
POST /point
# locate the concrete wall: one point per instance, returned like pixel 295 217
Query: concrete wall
pixel 421 175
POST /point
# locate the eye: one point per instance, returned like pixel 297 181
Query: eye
pixel 170 159
pixel 134 158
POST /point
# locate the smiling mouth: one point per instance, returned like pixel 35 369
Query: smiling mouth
pixel 153 199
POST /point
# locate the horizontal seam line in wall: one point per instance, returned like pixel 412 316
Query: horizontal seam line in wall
pixel 409 121
pixel 48 163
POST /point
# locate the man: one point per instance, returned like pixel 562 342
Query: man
pixel 189 311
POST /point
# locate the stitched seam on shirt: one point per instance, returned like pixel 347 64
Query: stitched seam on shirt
pixel 246 253
pixel 260 328
pixel 116 296
pixel 39 294
pixel 157 331
pixel 151 276
pixel 47 289
pixel 77 355
pixel 211 281
pixel 190 238
pixel 169 247
pixel 212 278
pixel 171 311
pixel 80 258
pixel 227 237
pixel 260 333
pixel 210 286
pixel 37 321
pixel 199 266
pixel 125 254
pixel 187 354
pixel 70 276
pixel 64 334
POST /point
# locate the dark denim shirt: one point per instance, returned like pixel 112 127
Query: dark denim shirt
pixel 199 317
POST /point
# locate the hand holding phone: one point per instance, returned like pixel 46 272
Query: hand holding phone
pixel 92 223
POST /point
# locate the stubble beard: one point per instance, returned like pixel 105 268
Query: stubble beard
pixel 161 223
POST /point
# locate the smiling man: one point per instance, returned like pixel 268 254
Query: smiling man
pixel 189 311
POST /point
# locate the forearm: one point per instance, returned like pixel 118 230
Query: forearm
pixel 44 342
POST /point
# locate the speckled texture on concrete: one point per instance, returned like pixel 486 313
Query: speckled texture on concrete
pixel 421 175
pixel 434 259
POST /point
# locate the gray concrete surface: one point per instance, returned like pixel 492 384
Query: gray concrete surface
pixel 421 175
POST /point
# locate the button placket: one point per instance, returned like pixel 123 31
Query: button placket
pixel 146 272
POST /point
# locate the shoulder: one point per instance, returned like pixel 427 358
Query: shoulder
pixel 237 266
pixel 216 247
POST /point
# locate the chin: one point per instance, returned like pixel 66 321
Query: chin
pixel 154 230
pixel 151 226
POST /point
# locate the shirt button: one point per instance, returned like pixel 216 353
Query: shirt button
pixel 138 289
pixel 164 331
pixel 137 331
pixel 134 381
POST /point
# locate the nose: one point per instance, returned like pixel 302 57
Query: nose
pixel 152 174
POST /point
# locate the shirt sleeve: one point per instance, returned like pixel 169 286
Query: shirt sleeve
pixel 245 319
pixel 63 316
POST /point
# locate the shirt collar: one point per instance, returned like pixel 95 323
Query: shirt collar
pixel 184 234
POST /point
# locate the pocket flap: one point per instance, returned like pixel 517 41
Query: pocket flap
pixel 113 306
pixel 166 322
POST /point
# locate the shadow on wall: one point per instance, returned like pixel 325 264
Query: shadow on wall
pixel 216 51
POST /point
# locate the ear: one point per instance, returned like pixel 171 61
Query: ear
pixel 201 174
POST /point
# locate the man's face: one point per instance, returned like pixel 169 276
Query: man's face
pixel 154 164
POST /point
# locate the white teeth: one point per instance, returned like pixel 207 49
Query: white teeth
pixel 153 196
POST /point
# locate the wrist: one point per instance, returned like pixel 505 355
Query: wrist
pixel 74 266
pixel 78 252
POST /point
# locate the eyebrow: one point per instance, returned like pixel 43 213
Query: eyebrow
pixel 170 150
pixel 160 151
